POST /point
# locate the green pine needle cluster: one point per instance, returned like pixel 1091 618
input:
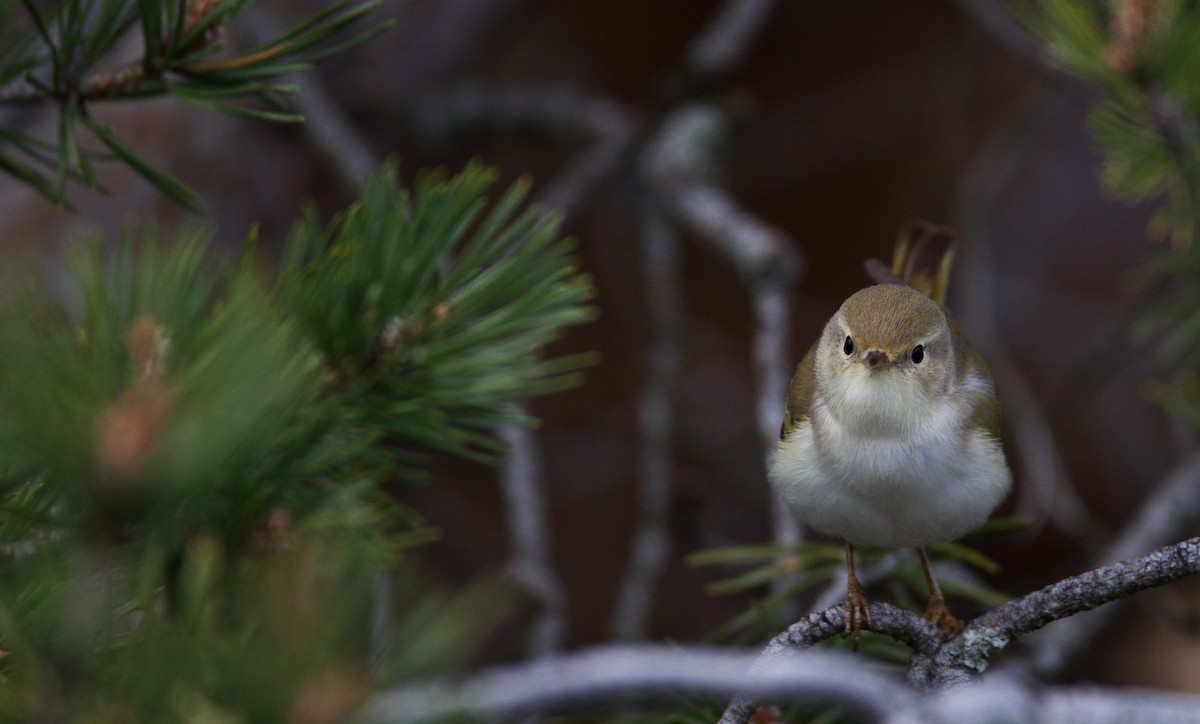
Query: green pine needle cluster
pixel 430 313
pixel 192 452
pixel 63 53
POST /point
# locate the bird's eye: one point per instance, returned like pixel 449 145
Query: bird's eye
pixel 848 347
pixel 918 354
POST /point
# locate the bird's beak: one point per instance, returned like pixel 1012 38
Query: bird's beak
pixel 875 360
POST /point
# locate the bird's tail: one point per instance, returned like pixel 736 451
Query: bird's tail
pixel 921 259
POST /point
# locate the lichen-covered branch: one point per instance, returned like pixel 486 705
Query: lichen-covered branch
pixel 1169 511
pixel 940 662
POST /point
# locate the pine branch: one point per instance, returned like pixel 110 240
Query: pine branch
pixel 59 56
pixel 204 454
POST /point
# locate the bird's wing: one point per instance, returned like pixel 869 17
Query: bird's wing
pixel 800 395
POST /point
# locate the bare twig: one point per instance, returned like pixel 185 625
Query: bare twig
pixel 339 144
pixel 1171 510
pixel 615 673
pixel 869 572
pixel 521 483
pixel 329 130
pixel 681 164
pixel 772 297
pixel 614 133
pixel 941 662
pixel 721 45
pixel 652 540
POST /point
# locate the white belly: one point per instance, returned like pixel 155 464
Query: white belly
pixel 933 484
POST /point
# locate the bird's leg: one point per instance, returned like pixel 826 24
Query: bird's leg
pixel 936 611
pixel 856 602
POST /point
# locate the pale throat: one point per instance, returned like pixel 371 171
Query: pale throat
pixel 877 404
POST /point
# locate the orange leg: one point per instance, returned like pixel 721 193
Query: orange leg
pixel 936 611
pixel 857 612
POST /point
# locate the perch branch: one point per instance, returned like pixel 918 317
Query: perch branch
pixel 967 653
pixel 941 664
pixel 1171 510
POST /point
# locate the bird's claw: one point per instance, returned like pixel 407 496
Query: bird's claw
pixel 939 615
pixel 857 613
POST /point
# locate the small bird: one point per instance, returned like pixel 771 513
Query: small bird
pixel 891 432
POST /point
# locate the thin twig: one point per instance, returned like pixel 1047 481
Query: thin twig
pixel 613 132
pixel 521 484
pixel 720 47
pixel 1172 509
pixel 772 300
pixel 618 673
pixel 331 134
pixel 326 126
pixel 652 540
pixel 682 166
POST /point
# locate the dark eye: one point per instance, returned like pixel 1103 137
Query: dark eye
pixel 918 354
pixel 848 347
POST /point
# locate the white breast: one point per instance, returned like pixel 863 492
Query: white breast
pixel 933 481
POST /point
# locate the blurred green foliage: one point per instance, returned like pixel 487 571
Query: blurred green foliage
pixel 193 454
pixel 1144 55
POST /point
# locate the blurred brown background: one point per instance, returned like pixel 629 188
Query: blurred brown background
pixel 845 121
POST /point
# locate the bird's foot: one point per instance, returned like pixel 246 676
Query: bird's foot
pixel 939 615
pixel 857 613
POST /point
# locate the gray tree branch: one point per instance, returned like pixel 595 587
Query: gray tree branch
pixel 605 675
pixel 681 165
pixel 941 663
pixel 652 540
pixel 525 507
pixel 1172 509
pixel 622 673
